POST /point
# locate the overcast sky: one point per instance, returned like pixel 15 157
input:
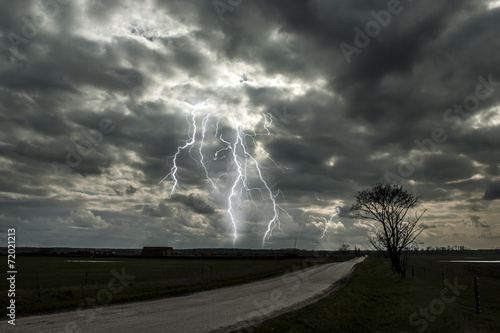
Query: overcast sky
pixel 325 97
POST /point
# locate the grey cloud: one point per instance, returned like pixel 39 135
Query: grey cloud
pixel 161 210
pixel 475 219
pixel 196 202
pixel 351 122
pixel 427 226
pixel 492 191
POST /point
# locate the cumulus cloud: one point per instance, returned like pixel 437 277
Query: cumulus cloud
pixel 85 219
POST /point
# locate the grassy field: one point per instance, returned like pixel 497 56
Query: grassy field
pixel 45 284
pixel 374 300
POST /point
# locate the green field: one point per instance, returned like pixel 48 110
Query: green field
pixel 45 284
pixel 374 300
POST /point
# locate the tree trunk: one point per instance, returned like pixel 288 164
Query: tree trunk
pixel 397 266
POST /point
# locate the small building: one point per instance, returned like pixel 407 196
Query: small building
pixel 157 251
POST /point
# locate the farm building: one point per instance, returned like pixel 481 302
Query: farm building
pixel 157 251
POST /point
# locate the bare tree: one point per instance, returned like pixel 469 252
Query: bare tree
pixel 389 205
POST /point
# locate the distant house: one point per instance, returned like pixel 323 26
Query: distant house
pixel 157 251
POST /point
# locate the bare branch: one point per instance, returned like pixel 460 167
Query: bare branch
pixel 389 205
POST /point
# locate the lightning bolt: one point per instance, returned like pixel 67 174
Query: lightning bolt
pixel 315 194
pixel 243 164
pixel 188 144
pixel 200 150
pixel 337 212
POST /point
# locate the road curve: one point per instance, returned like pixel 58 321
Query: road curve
pixel 220 310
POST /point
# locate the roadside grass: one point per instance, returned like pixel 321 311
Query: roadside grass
pixel 374 300
pixel 48 284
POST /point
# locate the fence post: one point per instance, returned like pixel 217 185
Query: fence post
pixel 86 277
pixel 444 287
pixel 412 272
pixel 38 287
pixel 425 276
pixel 476 294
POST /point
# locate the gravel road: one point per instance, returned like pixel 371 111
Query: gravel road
pixel 221 310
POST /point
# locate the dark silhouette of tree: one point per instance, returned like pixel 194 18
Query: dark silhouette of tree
pixel 357 251
pixel 389 205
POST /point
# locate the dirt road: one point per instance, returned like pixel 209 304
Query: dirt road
pixel 221 310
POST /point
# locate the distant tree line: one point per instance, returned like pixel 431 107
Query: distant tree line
pixel 448 249
pixel 344 250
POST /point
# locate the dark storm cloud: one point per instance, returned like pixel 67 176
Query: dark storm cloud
pixel 445 168
pixel 492 191
pixel 161 210
pixel 130 190
pixel 196 202
pixel 476 221
pixel 348 124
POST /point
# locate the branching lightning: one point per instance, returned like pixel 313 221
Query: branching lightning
pixel 337 212
pixel 242 163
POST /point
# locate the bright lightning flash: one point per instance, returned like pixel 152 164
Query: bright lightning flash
pixel 243 163
pixel 337 212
